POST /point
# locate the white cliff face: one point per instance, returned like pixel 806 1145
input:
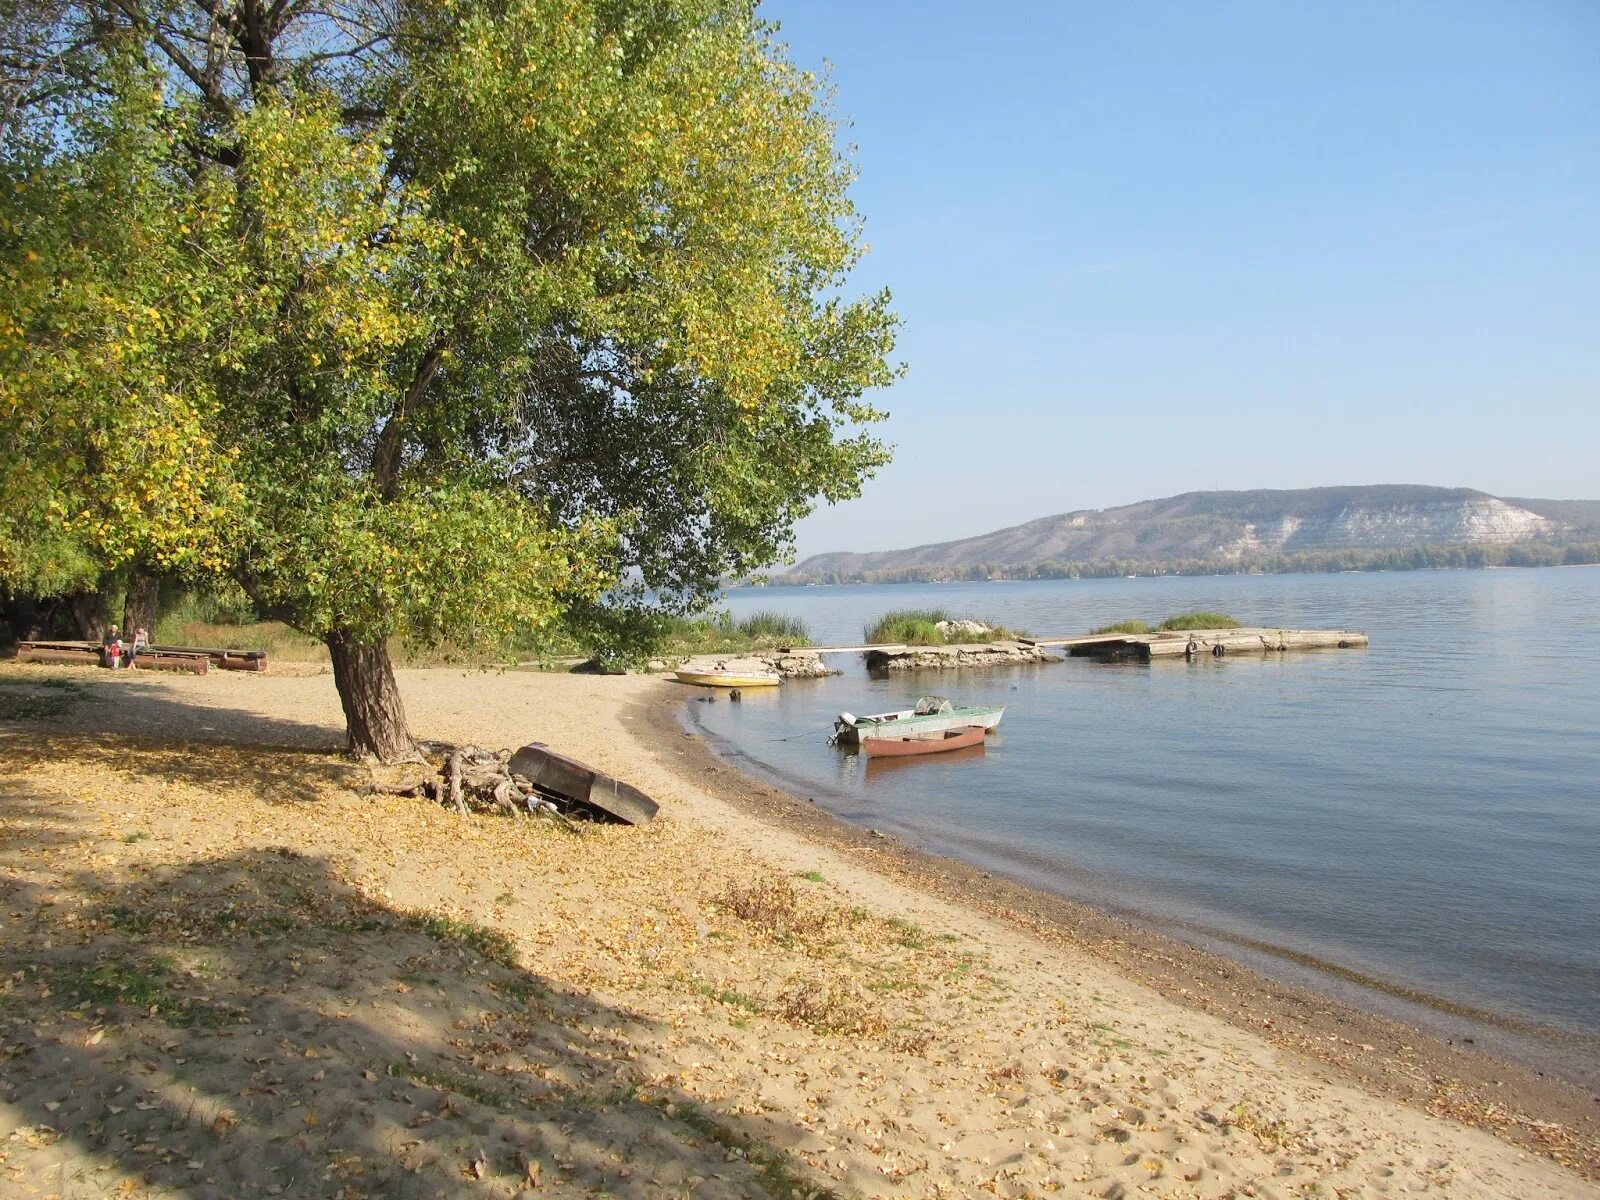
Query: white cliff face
pixel 1277 534
pixel 1480 519
pixel 1231 525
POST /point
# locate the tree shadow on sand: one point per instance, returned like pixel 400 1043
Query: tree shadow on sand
pixel 150 710
pixel 277 774
pixel 250 1025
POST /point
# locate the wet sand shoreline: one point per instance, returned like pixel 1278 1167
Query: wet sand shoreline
pixel 1412 1061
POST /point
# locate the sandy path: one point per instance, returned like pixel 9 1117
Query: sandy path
pixel 711 1005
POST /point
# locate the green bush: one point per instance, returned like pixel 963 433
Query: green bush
pixel 1199 620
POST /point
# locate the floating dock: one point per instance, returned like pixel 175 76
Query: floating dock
pixel 1190 643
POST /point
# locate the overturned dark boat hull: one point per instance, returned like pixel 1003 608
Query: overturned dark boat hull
pixel 579 784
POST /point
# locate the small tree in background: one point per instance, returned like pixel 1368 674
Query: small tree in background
pixel 443 319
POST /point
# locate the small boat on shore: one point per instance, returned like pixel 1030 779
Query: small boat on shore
pixel 729 679
pixel 888 746
pixel 931 714
pixel 578 783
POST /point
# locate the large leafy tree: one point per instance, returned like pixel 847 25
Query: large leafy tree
pixel 441 318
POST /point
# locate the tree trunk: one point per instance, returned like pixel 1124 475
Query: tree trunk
pixel 88 615
pixel 92 611
pixel 373 713
pixel 22 614
pixel 139 609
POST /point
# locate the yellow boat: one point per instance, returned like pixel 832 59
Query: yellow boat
pixel 730 679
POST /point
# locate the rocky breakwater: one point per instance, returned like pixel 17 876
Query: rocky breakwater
pixel 957 657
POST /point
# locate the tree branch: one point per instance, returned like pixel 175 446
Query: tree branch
pixel 207 85
pixel 386 455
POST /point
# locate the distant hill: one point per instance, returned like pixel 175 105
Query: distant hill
pixel 1576 515
pixel 1223 527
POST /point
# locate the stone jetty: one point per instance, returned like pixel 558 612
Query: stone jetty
pixel 1191 643
pixel 957 657
pixel 795 663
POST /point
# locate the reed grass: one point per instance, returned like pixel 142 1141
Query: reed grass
pixel 1199 620
pixel 1132 626
pixel 920 627
pixel 768 624
pixel 1191 620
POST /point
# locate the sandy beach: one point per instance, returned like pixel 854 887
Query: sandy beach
pixel 225 971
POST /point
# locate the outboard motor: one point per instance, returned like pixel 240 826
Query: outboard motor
pixel 841 723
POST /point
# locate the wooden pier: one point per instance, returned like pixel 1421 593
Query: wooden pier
pixel 1190 643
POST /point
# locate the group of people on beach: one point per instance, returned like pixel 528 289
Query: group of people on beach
pixel 114 653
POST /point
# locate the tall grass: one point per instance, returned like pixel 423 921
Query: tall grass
pixel 920 627
pixel 1133 626
pixel 1199 620
pixel 723 634
pixel 912 626
pixel 277 639
pixel 768 624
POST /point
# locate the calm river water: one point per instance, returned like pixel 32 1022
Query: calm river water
pixel 1425 812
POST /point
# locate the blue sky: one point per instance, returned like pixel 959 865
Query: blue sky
pixel 1147 248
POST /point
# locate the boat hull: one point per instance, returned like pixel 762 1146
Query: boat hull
pixel 580 783
pixel 923 743
pixel 730 679
pixel 907 724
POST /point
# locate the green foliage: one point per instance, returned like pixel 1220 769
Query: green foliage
pixel 1199 620
pixel 1131 626
pixel 920 627
pixel 221 604
pixel 493 320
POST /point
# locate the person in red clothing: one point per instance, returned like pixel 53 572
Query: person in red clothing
pixel 111 648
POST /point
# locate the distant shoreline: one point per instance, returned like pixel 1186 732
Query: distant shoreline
pixel 1433 558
